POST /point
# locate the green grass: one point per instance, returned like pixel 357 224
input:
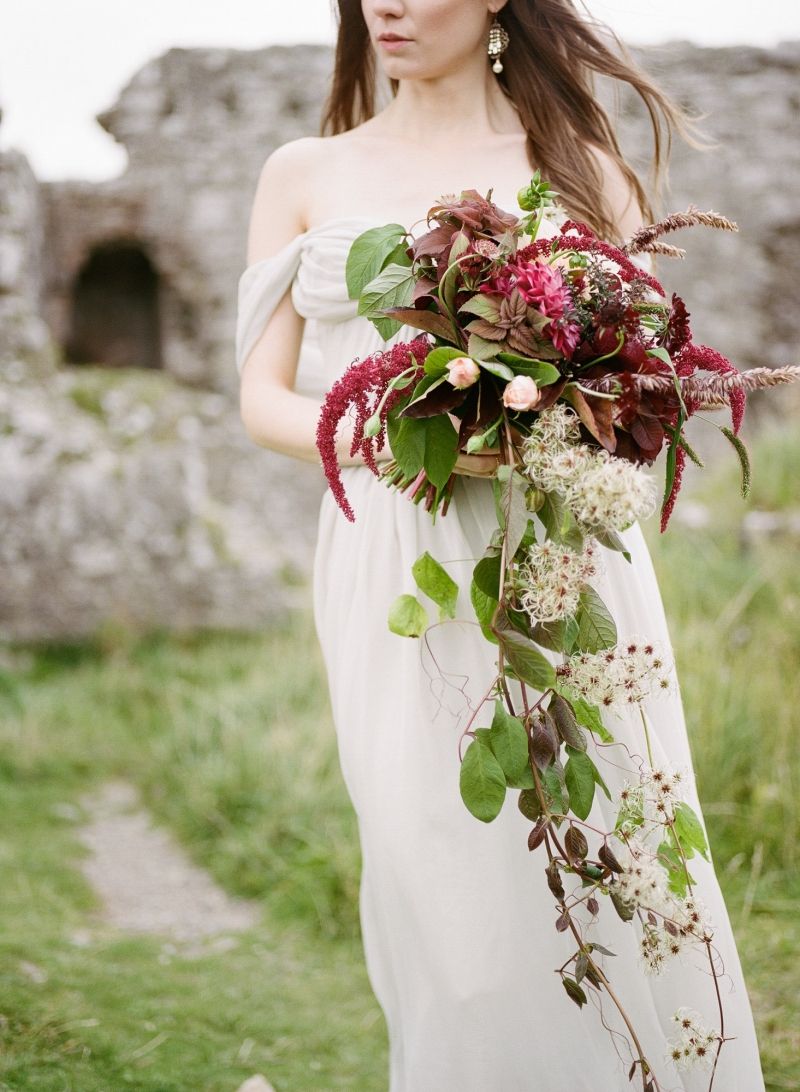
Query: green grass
pixel 228 737
pixel 132 1013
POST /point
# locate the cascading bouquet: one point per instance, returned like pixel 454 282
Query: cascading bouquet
pixel 560 352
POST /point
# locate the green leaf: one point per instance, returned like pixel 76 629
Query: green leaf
pixel 670 859
pixel 527 662
pixel 482 306
pixel 502 371
pixel 579 776
pixel 528 804
pixel 571 533
pixel 441 449
pixel 429 442
pixel 437 359
pixel 482 781
pixel 589 716
pixel 393 287
pixel 575 991
pixel 512 502
pixel 552 513
pixel 480 349
pixel 661 354
pixel 424 387
pixel 554 789
pixel 484 606
pixel 408 617
pixel 524 781
pixel 612 541
pixel 486 574
pixel 368 254
pixel 448 285
pixel 407 440
pixel 509 742
pixel 566 722
pixel 689 829
pixel 598 778
pixel 437 583
pixel 596 628
pixel 540 371
pixel 558 635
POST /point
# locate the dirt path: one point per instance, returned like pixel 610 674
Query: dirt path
pixel 145 880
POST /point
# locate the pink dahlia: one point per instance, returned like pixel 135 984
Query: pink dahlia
pixel 565 336
pixel 543 286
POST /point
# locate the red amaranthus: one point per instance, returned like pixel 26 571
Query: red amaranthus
pixel 366 386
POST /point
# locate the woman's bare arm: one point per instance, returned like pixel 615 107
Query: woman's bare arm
pixel 274 415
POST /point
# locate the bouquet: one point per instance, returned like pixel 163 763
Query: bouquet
pixel 561 354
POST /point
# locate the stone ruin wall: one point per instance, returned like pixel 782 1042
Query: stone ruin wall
pixel 132 494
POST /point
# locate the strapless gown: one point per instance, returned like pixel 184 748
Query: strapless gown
pixel 457 920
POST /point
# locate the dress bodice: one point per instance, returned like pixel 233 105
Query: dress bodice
pixel 312 266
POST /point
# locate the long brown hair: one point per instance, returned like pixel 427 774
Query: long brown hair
pixel 554 53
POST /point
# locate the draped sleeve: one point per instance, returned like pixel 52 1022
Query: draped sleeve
pixel 261 288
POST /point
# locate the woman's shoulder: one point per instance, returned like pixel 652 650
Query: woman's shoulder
pixel 307 151
pixel 618 192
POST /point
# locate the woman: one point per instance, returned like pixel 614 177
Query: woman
pixel 457 921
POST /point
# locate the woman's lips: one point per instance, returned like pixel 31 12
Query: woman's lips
pixel 393 43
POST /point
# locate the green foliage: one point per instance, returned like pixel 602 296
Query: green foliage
pixel 509 743
pixel 369 253
pixel 579 776
pixel 524 658
pixel 540 371
pixel 596 628
pixel 423 442
pixel 393 287
pixel 481 779
pixel 437 359
pixel 437 584
pixel 589 716
pixel 689 830
pixel 509 489
pixel 407 616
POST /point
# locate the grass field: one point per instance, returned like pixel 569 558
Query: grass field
pixel 228 738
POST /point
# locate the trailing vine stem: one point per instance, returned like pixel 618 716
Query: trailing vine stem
pixel 649 1080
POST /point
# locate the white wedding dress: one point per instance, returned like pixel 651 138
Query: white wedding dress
pixel 458 922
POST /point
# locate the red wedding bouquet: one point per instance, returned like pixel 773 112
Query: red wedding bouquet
pixel 559 349
pixel 510 330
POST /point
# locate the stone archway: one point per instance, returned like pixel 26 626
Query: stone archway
pixel 114 314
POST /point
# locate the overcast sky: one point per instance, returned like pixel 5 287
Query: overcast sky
pixel 63 62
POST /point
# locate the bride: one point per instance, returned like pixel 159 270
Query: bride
pixel 457 921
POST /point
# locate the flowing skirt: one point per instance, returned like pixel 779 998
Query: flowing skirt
pixel 457 920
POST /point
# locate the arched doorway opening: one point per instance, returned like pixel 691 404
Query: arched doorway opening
pixel 114 317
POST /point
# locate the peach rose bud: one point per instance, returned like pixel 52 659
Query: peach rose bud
pixel 462 372
pixel 521 393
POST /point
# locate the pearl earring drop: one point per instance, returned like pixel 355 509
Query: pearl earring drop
pixel 498 43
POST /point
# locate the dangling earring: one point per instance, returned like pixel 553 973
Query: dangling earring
pixel 498 43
